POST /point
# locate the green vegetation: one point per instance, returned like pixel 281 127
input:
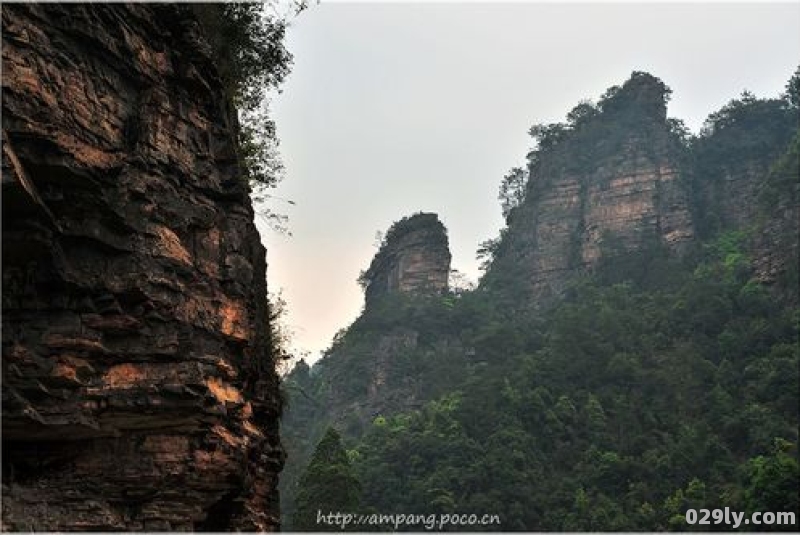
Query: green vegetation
pixel 605 130
pixel 746 136
pixel 246 43
pixel 627 404
pixel 512 189
pixel 622 400
pixel 328 485
pixel 781 186
pixel 656 383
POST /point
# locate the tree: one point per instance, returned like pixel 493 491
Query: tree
pixel 459 283
pixel 772 480
pixel 548 136
pixel 512 189
pixel 247 47
pixel 246 42
pixel 582 113
pixel 656 384
pixel 487 250
pixel 327 486
pixel 792 95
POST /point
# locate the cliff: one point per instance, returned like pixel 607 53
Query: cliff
pixel 732 161
pixel 377 365
pixel 776 243
pixel 746 180
pixel 619 180
pixel 414 258
pixel 138 387
pixel 692 225
pixel 610 182
pixel 367 366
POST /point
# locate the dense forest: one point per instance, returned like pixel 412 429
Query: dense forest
pixel 654 381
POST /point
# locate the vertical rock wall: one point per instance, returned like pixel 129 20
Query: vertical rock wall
pixel 138 388
pixel 415 259
pixel 615 182
pixel 777 237
pixel 747 181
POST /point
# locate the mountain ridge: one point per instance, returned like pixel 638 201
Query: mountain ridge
pixel 613 211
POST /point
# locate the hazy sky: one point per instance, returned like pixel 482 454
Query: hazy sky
pixel 397 108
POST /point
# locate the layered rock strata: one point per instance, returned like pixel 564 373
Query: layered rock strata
pixel 414 259
pixel 614 185
pixel 138 388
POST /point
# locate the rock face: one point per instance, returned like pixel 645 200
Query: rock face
pixel 747 181
pixel 777 238
pixel 138 387
pixel 414 259
pixel 613 183
pixel 367 370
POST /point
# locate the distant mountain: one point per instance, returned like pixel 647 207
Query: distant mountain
pixel 630 352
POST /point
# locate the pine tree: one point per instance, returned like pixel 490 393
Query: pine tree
pixel 327 486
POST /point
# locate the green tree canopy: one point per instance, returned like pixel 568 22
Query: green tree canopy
pixel 327 486
pixel 512 189
pixel 246 40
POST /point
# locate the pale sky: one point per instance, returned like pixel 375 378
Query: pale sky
pixel 397 108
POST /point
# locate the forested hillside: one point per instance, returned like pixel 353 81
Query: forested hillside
pixel 631 352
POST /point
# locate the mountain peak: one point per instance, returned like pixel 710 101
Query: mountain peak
pixel 414 258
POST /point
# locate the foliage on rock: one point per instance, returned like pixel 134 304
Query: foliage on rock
pixel 657 379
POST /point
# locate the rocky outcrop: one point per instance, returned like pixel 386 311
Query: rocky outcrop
pixel 376 367
pixel 776 241
pixel 746 181
pixel 138 387
pixel 732 161
pixel 612 184
pixel 414 259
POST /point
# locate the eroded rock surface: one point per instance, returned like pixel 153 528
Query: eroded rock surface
pixel 414 259
pixel 614 185
pixel 138 388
